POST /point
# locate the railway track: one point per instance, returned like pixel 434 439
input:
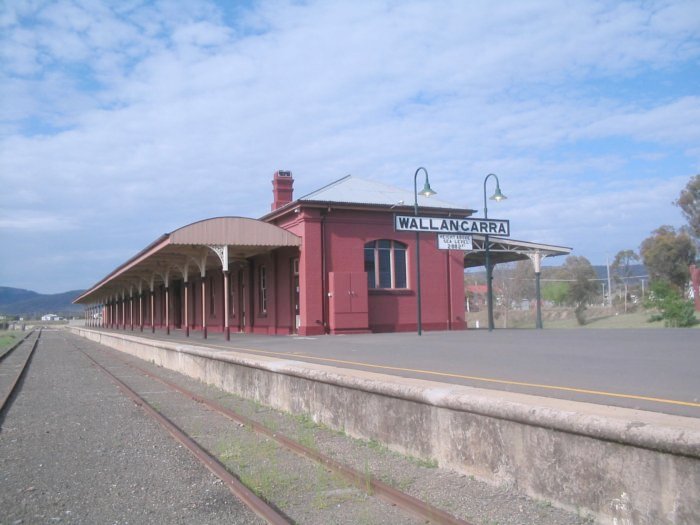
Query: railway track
pixel 13 366
pixel 9 350
pixel 138 384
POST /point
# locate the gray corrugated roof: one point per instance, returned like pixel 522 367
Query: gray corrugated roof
pixel 354 190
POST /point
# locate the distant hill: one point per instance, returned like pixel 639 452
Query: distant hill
pixel 29 304
pixel 637 272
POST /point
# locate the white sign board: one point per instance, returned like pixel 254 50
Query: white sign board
pixel 447 241
pixel 448 225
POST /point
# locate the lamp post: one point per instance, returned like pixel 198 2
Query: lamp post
pixel 497 196
pixel 427 192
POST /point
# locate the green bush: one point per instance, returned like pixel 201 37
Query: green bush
pixel 675 311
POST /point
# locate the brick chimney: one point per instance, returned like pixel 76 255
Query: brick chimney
pixel 282 189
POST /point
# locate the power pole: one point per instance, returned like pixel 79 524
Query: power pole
pixel 607 264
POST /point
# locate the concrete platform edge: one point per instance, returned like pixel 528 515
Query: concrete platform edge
pixel 620 465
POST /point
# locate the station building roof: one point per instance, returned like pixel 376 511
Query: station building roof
pixel 355 192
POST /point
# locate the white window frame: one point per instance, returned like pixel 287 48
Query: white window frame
pixel 392 263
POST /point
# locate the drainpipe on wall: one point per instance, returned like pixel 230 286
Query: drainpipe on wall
pixel 324 275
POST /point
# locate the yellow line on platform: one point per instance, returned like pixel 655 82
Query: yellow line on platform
pixel 460 376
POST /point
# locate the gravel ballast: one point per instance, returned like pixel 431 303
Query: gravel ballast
pixel 73 449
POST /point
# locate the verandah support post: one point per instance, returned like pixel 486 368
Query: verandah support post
pixel 226 309
pixel 185 271
pixel 222 252
pixel 141 306
pixel 201 263
pixel 167 309
pixel 536 259
pixel 204 306
pixel 153 300
pixel 187 309
pixel 538 296
pixel 166 282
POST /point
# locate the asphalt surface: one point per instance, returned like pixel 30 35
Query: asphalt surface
pixel 646 369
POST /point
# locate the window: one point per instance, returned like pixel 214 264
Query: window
pixel 262 289
pixel 385 264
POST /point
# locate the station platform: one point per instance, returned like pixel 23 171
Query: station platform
pixel 409 393
pixel 651 370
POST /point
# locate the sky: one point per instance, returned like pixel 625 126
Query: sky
pixel 124 120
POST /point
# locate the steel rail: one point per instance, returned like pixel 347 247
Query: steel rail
pixel 238 489
pixel 8 395
pixel 12 348
pixel 363 481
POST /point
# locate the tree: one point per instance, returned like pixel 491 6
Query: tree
pixel 667 255
pixel 555 292
pixel 503 282
pixel 524 280
pixel 689 203
pixel 621 268
pixel 673 309
pixel 583 288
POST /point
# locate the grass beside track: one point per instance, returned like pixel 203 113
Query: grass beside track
pixel 622 320
pixel 595 320
pixel 8 338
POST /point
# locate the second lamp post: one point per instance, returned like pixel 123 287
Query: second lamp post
pixel 497 196
pixel 427 192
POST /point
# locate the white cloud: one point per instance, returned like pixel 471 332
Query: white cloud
pixel 33 221
pixel 677 122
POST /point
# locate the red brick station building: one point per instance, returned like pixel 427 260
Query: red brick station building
pixel 330 262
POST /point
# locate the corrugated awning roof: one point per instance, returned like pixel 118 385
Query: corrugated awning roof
pixel 179 252
pixel 234 231
pixel 508 250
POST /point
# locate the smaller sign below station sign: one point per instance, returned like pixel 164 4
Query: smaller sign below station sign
pixel 447 241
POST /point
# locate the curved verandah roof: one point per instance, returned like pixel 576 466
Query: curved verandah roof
pixel 201 246
pixel 508 250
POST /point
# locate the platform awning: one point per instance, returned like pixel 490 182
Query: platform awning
pixel 189 250
pixel 504 250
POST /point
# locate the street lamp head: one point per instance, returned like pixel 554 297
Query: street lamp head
pixel 498 196
pixel 427 191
